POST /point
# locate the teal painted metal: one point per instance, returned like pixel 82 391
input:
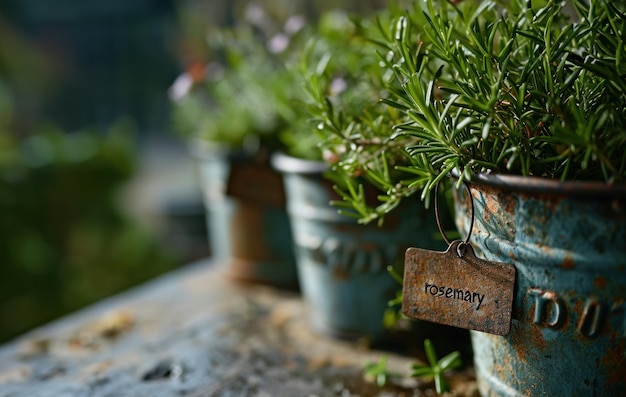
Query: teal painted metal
pixel 247 219
pixel 342 264
pixel 568 243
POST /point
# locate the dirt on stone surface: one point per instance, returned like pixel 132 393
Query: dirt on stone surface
pixel 307 362
pixel 196 335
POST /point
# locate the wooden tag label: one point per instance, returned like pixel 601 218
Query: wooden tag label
pixel 464 292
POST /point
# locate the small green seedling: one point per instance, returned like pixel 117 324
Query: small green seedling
pixel 436 368
pixel 379 372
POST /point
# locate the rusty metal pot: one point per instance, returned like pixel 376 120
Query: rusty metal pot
pixel 246 216
pixel 343 264
pixel 568 244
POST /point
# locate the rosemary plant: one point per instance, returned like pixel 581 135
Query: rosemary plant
pixel 516 87
pixel 344 81
pixel 325 75
pixel 243 97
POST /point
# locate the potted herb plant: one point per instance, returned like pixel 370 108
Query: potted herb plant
pixel 343 264
pixel 526 103
pixel 233 111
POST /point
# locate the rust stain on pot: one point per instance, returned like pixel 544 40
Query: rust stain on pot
pixel 496 204
pixel 568 262
pixel 507 202
pixel 256 182
pixel 505 367
pixel 518 343
pixel 491 208
pixel 340 273
pixel 522 340
pixel 600 282
pixel 614 362
pixel 246 225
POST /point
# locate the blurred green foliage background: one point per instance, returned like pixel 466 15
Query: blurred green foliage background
pixel 82 88
pixel 83 92
pixel 66 240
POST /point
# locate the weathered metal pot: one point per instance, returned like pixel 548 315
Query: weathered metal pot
pixel 343 264
pixel 246 216
pixel 568 244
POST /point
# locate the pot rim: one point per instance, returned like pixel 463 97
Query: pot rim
pixel 294 165
pixel 541 185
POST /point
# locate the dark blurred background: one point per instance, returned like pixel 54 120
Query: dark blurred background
pixel 97 193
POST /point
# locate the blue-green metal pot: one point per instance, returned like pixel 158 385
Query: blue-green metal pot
pixel 568 244
pixel 246 217
pixel 343 264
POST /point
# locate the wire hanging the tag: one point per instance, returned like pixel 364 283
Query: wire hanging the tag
pixel 460 250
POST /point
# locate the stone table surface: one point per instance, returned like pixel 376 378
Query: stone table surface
pixel 193 332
